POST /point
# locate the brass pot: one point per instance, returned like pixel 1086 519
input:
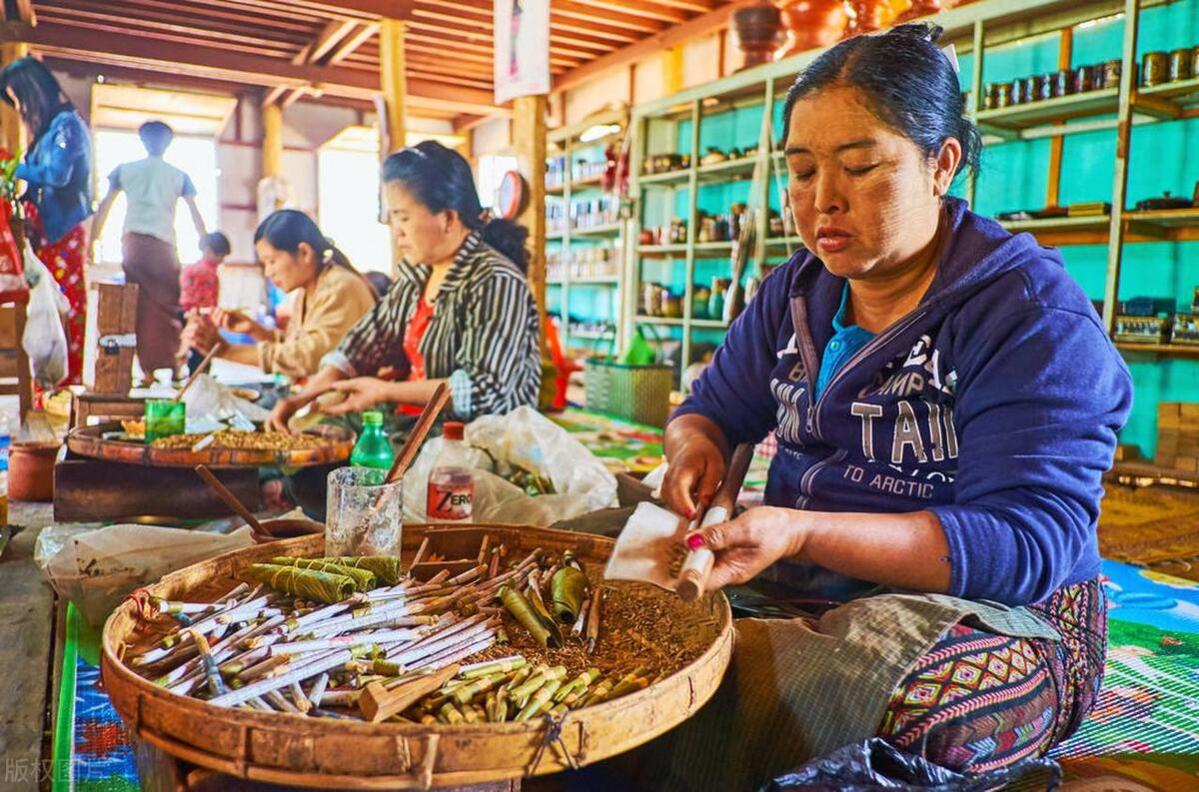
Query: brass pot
pixel 1180 65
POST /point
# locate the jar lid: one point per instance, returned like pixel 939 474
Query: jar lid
pixel 452 430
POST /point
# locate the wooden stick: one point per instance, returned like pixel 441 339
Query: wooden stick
pixel 378 704
pixel 419 432
pixel 216 349
pixel 593 618
pixel 232 502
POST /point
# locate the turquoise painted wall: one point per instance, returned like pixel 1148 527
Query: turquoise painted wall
pixel 1165 156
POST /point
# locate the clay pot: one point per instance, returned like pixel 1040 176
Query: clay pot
pixel 287 529
pixel 759 30
pixel 813 23
pixel 31 471
pixel 877 14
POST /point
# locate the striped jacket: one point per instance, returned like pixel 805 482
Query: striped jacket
pixel 484 335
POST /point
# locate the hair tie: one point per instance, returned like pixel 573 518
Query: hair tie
pixel 485 216
pixel 951 53
pixel 327 255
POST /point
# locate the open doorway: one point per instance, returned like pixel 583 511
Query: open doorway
pixel 195 156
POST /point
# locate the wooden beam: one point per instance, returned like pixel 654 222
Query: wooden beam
pixel 393 75
pixel 558 21
pixel 213 63
pixel 13 136
pixel 295 95
pixel 1065 53
pixel 672 70
pixel 273 95
pixel 576 10
pixel 25 12
pixel 704 25
pixel 638 8
pixel 529 136
pixel 461 23
pixel 353 43
pixel 329 37
pixel 694 6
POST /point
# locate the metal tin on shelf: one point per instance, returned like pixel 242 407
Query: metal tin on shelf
pixel 1180 65
pixel 1155 68
pixel 1111 74
pixel 1084 79
pixel 1063 83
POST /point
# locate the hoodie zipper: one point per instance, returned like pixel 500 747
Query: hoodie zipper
pixel 862 353
pixel 805 481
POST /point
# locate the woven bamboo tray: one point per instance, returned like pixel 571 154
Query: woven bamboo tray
pixel 318 752
pixel 89 441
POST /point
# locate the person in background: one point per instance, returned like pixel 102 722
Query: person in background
pixel 460 309
pixel 380 281
pixel 58 170
pixel 328 297
pixel 200 284
pixel 153 189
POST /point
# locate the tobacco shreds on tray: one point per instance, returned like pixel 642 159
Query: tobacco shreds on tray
pixel 248 441
pixel 536 637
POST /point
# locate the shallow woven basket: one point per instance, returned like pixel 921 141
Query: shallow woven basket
pixel 320 752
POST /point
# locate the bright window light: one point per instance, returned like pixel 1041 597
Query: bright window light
pixel 195 156
pixel 348 204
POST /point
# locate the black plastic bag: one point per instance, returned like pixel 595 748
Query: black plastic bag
pixel 876 764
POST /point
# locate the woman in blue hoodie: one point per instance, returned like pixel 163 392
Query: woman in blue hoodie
pixel 945 401
pixel 58 170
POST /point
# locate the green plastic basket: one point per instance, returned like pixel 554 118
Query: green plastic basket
pixel 635 393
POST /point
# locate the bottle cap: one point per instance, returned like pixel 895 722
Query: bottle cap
pixel 452 430
pixel 372 418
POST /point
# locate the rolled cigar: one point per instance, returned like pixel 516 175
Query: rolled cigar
pixel 317 665
pixel 594 612
pixel 503 665
pixel 317 692
pixel 299 698
pixel 693 577
pixel 540 698
pixel 382 636
pixel 522 692
pixel 280 702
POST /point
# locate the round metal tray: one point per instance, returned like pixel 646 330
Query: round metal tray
pixel 108 442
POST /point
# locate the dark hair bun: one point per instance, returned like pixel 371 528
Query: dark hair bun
pixel 921 31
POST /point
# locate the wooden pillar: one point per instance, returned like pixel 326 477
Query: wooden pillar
pixel 1065 54
pixel 394 81
pixel 272 140
pixel 12 131
pixel 528 135
pixel 672 71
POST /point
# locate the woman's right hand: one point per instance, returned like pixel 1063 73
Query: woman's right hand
pixel 284 409
pixel 234 322
pixel 696 468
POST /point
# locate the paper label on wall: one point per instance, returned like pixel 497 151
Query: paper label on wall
pixel 522 48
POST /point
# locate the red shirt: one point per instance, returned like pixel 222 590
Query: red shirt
pixel 199 285
pixel 414 332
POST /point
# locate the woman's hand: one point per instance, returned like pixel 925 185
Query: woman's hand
pixel 235 322
pixel 284 409
pixel 696 468
pixel 747 545
pixel 200 334
pixel 361 393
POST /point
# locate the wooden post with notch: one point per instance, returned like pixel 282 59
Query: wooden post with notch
pixel 394 82
pixel 528 133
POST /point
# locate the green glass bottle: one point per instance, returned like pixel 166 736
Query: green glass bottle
pixel 373 450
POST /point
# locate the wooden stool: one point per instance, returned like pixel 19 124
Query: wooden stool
pixel 15 375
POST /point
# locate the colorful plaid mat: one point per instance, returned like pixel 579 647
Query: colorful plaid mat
pixel 1142 735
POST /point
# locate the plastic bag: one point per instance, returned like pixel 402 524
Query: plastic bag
pixel 45 340
pixel 209 403
pixel 876 764
pixel 525 439
pixel 96 569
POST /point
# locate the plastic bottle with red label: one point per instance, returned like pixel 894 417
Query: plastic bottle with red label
pixel 451 488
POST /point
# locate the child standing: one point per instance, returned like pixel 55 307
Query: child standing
pixel 200 285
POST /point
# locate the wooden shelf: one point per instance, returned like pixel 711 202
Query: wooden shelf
pixel 1171 225
pixel 741 168
pixel 662 250
pixel 554 236
pixel 610 229
pixel 557 189
pixel 710 324
pixel 584 184
pixel 669 177
pixel 713 248
pixel 1186 351
pixel 1048 111
pixel 1183 93
pixel 659 320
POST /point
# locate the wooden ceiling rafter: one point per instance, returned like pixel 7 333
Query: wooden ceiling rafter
pixel 351 44
pixel 163 37
pixel 638 8
pixel 584 41
pixel 192 17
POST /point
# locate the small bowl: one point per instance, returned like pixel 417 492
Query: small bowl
pixel 31 471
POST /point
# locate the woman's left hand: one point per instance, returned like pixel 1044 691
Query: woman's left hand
pixel 361 393
pixel 750 543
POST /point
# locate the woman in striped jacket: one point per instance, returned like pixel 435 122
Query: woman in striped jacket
pixel 460 309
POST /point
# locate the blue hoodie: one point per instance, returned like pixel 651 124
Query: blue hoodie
pixel 994 404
